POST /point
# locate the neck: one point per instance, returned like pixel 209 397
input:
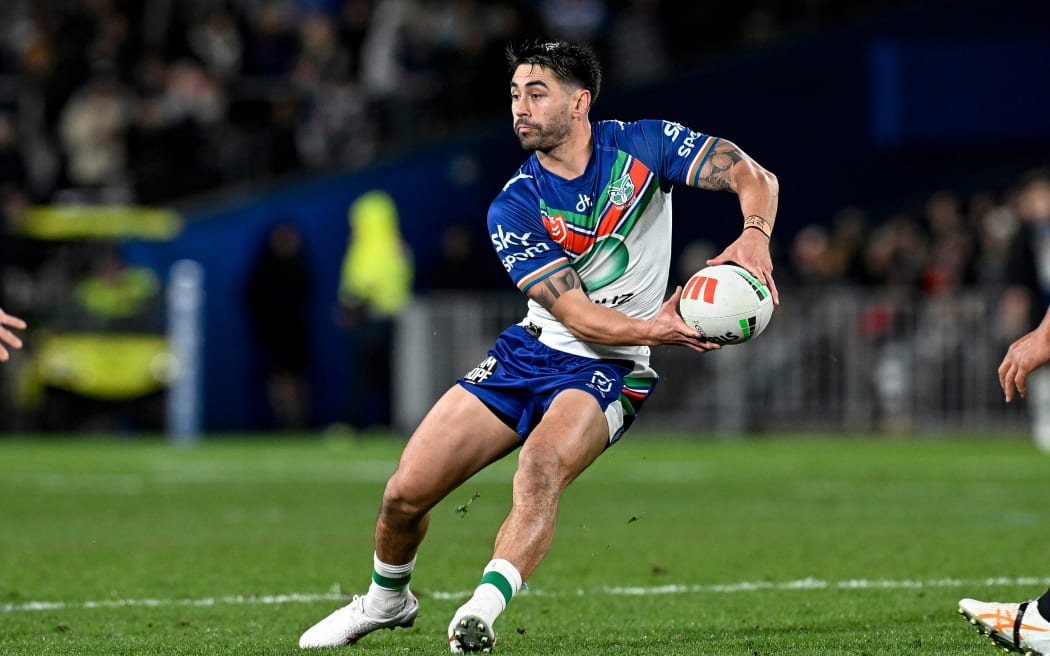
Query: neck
pixel 569 159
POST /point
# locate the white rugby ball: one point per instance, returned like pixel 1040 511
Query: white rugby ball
pixel 726 303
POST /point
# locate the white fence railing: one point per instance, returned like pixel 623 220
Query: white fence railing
pixel 831 360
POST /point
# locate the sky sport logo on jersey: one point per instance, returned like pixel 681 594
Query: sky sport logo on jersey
pixel 504 240
pixel 726 303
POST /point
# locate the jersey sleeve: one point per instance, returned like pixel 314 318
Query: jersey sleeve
pixel 522 242
pixel 673 150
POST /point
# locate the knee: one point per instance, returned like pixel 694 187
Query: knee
pixel 400 503
pixel 538 472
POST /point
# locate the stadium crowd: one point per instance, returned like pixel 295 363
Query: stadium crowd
pixel 148 102
pixel 120 101
pixel 987 240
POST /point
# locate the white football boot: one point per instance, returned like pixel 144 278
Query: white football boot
pixel 1014 627
pixel 470 633
pixel 351 623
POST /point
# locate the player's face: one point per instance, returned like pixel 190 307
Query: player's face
pixel 540 104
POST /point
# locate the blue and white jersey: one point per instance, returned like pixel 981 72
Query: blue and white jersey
pixel 612 225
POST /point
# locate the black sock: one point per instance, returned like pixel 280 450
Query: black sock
pixel 1044 605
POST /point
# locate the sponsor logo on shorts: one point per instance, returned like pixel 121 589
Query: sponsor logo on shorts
pixel 485 369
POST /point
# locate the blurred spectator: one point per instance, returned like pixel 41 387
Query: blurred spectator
pixel 116 297
pixel 996 226
pixel 278 298
pixel 1028 277
pixel 948 265
pixel 812 258
pixel 338 128
pixel 849 233
pixel 272 44
pixel 943 214
pixel 172 138
pixel 1028 274
pixel 376 285
pixel 321 59
pixel 217 44
pixel 93 128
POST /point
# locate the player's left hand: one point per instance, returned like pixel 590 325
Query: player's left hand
pixel 1022 358
pixel 751 251
pixel 6 336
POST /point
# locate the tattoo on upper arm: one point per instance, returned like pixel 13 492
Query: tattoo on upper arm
pixel 550 289
pixel 714 175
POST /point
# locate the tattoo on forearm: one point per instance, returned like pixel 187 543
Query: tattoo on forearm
pixel 551 289
pixel 715 173
pixel 758 223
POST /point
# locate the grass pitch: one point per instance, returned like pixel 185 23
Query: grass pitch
pixel 764 546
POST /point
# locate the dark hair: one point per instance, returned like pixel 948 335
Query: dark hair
pixel 571 62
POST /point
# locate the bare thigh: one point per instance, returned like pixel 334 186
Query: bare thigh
pixel 458 437
pixel 571 436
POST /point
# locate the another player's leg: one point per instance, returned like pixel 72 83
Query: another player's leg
pixel 1019 627
pixel 458 437
pixel 572 434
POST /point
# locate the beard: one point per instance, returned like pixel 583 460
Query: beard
pixel 543 138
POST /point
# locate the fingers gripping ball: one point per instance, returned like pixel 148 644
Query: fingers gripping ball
pixel 726 303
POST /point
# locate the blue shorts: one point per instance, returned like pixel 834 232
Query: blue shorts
pixel 522 375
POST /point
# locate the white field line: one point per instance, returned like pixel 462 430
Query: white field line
pixel 719 588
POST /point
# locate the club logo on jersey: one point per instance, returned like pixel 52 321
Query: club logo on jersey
pixel 621 191
pixel 601 382
pixel 485 369
pixel 557 228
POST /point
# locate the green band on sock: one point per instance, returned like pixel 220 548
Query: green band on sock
pixel 388 583
pixel 501 583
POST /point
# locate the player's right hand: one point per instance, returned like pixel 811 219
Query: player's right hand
pixel 674 330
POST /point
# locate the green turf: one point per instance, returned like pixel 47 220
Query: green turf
pixel 713 537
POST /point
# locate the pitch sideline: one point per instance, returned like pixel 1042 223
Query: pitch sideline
pixel 718 588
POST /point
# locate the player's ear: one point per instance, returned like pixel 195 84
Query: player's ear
pixel 582 101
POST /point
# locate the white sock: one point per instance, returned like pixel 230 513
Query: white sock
pixel 499 583
pixel 389 587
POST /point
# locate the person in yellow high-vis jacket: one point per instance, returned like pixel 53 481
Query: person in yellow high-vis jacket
pixel 375 286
